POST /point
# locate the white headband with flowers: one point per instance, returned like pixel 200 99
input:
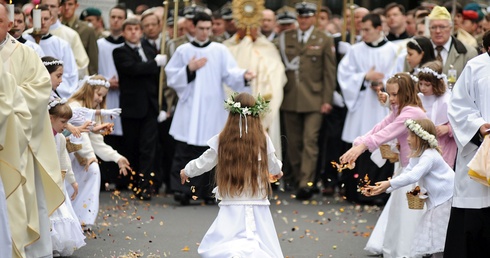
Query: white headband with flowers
pixel 56 101
pixel 261 106
pixel 94 82
pixel 428 70
pixel 420 132
pixel 54 62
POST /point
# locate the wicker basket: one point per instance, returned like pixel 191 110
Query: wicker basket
pixel 387 153
pixel 414 202
pixel 72 147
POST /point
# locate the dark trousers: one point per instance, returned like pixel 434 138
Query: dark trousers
pixel 109 171
pixel 330 146
pixel 202 184
pixel 468 233
pixel 140 140
pixel 166 150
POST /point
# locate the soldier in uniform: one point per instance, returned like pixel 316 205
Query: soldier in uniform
pixel 309 58
pixel 286 19
pixel 227 15
pixel 86 32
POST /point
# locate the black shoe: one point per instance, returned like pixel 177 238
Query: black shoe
pixel 182 198
pixel 144 196
pixel 304 193
pixel 328 191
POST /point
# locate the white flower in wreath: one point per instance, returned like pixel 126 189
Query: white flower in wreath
pixel 230 102
pixel 246 111
pixel 237 105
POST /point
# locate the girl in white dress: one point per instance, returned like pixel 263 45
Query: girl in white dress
pixel 88 102
pixel 435 97
pixel 66 233
pixel 427 166
pixel 244 158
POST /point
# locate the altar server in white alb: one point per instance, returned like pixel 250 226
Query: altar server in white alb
pixel 107 68
pixel 368 63
pixel 197 71
pixel 469 114
pixel 60 49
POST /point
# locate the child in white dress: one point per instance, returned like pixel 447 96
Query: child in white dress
pixel 244 158
pixel 66 232
pixel 427 166
pixel 89 103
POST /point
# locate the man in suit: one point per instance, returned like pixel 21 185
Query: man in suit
pixel 86 32
pixel 447 48
pixel 138 68
pixel 309 57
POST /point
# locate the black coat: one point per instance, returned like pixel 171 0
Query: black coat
pixel 138 81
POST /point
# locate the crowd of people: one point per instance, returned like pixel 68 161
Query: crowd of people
pixel 159 111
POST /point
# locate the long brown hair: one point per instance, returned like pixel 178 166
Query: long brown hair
pixel 438 85
pixel 407 91
pixel 85 94
pixel 420 144
pixel 239 169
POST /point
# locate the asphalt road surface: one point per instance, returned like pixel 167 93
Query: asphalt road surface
pixel 322 227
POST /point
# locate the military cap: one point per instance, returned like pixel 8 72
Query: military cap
pixel 472 11
pixel 170 18
pixel 90 11
pixel 226 11
pixel 190 11
pixel 305 9
pixel 286 15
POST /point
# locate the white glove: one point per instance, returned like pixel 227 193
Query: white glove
pixel 162 116
pixel 115 112
pixel 161 60
pixel 344 47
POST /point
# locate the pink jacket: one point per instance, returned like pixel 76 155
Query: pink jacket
pixel 392 127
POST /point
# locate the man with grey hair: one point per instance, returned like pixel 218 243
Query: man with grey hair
pixel 448 49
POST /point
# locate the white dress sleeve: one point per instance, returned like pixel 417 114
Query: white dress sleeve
pixel 204 163
pixel 80 115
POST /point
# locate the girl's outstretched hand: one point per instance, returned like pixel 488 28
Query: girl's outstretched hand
pixel 352 154
pixel 183 177
pixel 123 164
pixel 274 178
pixel 378 188
pixel 73 130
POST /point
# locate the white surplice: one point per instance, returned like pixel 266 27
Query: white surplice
pixel 107 68
pixel 364 110
pixel 5 237
pixel 200 112
pixel 60 49
pixel 469 109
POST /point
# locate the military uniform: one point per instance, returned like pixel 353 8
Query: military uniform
pixel 311 74
pixel 89 41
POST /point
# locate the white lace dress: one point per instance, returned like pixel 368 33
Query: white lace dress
pixel 244 225
pixel 66 232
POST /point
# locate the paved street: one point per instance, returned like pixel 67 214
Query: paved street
pixel 323 227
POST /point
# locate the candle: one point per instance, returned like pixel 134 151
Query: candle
pixel 11 12
pixel 36 17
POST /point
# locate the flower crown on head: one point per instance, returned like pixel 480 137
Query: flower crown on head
pixel 56 101
pixel 439 76
pixel 414 78
pixel 94 82
pixel 261 106
pixel 54 62
pixel 420 132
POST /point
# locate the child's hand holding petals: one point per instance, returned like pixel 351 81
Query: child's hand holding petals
pixel 183 177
